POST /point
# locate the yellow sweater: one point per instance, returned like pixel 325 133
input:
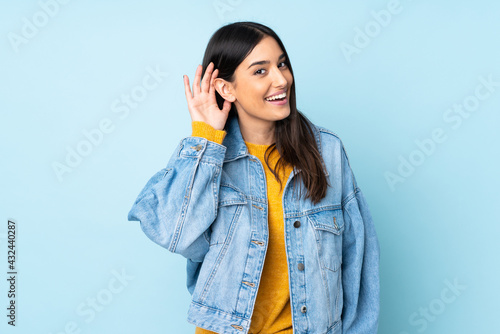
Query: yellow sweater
pixel 272 313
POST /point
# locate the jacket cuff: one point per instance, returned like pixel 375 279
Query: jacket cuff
pixel 205 130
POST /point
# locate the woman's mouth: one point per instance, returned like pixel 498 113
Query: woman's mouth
pixel 278 100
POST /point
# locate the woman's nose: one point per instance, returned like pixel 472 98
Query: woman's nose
pixel 278 77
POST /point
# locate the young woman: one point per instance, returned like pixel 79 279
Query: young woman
pixel 262 203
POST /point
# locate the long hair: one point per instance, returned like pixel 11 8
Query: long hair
pixel 295 140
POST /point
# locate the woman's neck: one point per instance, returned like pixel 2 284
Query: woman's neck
pixel 262 134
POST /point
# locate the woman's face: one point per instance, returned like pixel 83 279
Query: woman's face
pixel 261 74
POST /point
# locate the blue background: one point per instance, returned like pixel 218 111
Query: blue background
pixel 437 227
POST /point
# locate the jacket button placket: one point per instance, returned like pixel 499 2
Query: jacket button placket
pixel 300 267
pixel 256 254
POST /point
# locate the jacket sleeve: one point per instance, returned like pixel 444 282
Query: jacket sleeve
pixel 179 202
pixel 360 260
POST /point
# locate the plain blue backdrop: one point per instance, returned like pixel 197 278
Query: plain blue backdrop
pixel 411 87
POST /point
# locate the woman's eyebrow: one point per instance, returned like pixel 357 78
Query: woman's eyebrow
pixel 261 62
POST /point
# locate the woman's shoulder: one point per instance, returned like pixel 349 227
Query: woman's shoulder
pixel 327 136
pixel 331 145
pixel 327 131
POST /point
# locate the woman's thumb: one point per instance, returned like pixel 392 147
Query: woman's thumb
pixel 227 106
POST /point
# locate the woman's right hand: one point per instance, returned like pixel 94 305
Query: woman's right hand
pixel 202 103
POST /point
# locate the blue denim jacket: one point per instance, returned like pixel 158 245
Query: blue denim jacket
pixel 209 204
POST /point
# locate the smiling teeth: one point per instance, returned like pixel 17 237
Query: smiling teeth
pixel 280 96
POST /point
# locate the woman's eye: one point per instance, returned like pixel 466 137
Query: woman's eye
pixel 262 69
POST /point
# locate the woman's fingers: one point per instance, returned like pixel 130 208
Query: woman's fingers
pixel 205 84
pixel 226 107
pixel 196 83
pixel 211 91
pixel 187 89
pixel 196 97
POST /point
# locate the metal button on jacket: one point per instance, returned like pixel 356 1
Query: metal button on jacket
pixel 303 309
pixel 300 266
pixel 296 223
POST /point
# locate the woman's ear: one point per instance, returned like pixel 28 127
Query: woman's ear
pixel 224 89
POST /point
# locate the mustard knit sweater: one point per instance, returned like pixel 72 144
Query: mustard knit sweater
pixel 272 313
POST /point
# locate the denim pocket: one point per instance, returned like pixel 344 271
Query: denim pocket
pixel 230 195
pixel 230 202
pixel 328 226
pixel 216 269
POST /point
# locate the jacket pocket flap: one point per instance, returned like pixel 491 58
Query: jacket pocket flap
pixel 229 195
pixel 328 220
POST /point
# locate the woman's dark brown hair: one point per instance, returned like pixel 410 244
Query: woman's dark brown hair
pixel 295 141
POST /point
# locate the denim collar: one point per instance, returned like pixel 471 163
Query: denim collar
pixel 236 147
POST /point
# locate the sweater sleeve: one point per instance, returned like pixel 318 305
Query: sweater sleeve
pixel 205 130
